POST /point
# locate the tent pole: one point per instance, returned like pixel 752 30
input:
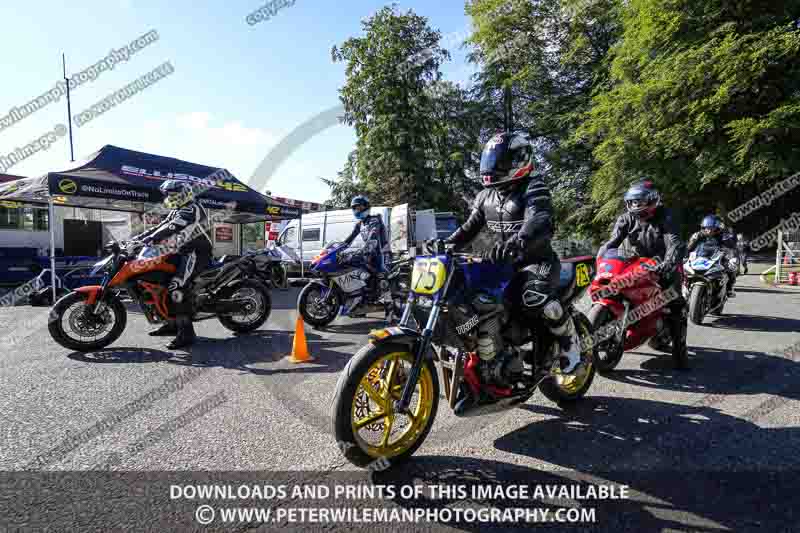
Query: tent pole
pixel 300 236
pixel 51 212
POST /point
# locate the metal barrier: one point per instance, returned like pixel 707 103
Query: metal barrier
pixel 787 256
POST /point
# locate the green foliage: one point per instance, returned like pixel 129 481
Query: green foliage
pixel 347 185
pixel 389 71
pixel 704 98
pixel 701 96
pixel 554 56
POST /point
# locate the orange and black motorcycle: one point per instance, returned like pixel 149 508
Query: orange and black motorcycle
pixel 92 317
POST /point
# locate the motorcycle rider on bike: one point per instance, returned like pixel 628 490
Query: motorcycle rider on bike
pixel 188 222
pixel 651 232
pixel 515 204
pixel 712 231
pixel 373 233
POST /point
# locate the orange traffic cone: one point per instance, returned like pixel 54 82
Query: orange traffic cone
pixel 299 346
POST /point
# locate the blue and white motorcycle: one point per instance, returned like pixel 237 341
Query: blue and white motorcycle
pixel 706 280
pixel 342 288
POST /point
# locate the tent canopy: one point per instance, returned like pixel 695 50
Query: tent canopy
pixel 125 180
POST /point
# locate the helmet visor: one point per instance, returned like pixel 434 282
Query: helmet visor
pixel 637 205
pixel 175 199
pixel 495 160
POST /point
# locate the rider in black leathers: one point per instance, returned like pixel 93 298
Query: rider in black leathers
pixel 373 233
pixel 189 223
pixel 711 230
pixel 516 207
pixel 651 233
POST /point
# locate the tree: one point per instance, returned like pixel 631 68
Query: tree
pixel 386 98
pixel 553 55
pixel 454 149
pixel 346 185
pixel 705 97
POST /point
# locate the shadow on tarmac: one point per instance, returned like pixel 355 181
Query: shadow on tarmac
pixel 688 468
pixel 756 373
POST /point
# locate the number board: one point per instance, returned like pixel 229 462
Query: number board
pixel 428 277
pixel 582 273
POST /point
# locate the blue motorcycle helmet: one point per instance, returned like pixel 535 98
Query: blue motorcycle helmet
pixel 360 206
pixel 711 225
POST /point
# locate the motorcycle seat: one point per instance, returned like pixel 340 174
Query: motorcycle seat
pixel 569 279
pixel 566 279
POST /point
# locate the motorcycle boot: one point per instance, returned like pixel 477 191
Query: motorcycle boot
pixel 540 301
pixel 661 343
pixel 168 329
pixel 569 341
pixel 180 294
pixel 678 323
pixel 186 335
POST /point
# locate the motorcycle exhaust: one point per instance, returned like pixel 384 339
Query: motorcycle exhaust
pixel 464 410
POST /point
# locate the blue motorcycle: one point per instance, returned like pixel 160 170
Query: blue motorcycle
pixel 388 394
pixel 342 288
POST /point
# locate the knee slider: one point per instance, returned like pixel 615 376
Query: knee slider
pixel 553 311
pixel 535 293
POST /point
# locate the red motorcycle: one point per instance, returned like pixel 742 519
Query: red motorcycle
pixel 629 308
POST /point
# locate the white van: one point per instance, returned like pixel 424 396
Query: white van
pixel 404 231
pixel 321 229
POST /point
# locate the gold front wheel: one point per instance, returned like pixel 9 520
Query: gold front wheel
pixel 368 429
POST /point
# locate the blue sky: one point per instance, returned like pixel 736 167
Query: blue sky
pixel 235 92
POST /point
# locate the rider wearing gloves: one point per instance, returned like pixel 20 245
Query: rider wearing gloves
pixel 373 233
pixel 188 223
pixel 515 205
pixel 651 233
pixel 711 230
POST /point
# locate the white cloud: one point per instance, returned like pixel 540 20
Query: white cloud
pixel 202 138
pixel 232 133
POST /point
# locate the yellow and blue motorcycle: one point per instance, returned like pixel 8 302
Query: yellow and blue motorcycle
pixel 388 394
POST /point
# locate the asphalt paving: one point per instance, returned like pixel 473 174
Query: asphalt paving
pixel 235 404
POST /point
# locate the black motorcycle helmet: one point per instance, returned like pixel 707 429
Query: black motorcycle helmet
pixel 642 199
pixel 506 158
pixel 360 206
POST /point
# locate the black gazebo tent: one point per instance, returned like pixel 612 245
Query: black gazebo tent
pixel 117 179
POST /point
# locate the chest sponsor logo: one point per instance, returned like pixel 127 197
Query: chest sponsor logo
pixel 504 227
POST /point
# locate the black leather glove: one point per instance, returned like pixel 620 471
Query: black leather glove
pixel 344 258
pixel 504 252
pixel 660 268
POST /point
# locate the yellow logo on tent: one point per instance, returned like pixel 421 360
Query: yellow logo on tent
pixel 67 186
pixel 60 199
pixel 274 210
pixel 12 205
pixel 582 272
